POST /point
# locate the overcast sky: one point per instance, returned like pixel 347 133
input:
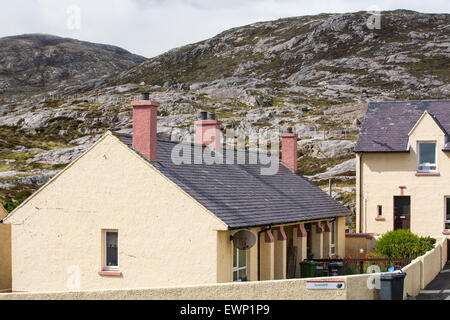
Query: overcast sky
pixel 151 27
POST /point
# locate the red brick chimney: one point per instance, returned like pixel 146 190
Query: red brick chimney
pixel 207 131
pixel 145 122
pixel 289 149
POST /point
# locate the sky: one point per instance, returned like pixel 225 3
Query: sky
pixel 152 27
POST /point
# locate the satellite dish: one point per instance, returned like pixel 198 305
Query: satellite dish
pixel 244 239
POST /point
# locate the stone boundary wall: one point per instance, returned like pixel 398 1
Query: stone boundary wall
pixel 419 273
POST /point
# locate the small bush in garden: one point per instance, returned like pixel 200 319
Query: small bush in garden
pixel 403 244
pixel 349 269
pixel 375 255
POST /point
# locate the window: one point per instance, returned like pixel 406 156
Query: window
pixel 447 213
pixel 333 238
pixel 427 156
pixel 380 211
pixel 111 250
pixel 239 265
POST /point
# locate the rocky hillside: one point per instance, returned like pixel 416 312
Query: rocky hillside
pixel 333 57
pixel 41 63
pixel 314 73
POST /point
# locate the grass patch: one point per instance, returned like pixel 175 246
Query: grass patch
pixel 310 166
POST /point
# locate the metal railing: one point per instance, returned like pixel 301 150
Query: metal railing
pixel 360 265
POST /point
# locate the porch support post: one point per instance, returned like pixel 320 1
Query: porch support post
pixel 326 239
pixel 280 254
pixel 317 240
pixel 300 242
pixel 340 237
pixel 267 243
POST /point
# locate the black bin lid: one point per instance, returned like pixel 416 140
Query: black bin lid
pixel 392 276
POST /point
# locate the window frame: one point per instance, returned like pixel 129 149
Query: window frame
pixel 237 269
pixel 105 251
pixel 419 143
pixel 333 238
pixel 379 211
pixel 445 212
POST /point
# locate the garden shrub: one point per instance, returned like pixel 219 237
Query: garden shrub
pixel 403 244
pixel 349 269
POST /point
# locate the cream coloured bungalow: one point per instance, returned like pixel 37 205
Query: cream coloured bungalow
pixel 124 215
pixel 403 168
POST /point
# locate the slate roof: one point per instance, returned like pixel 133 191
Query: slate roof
pixel 240 196
pixel 387 124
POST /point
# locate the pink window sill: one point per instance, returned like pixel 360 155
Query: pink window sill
pixel 380 219
pixel 446 232
pixel 427 174
pixel 105 273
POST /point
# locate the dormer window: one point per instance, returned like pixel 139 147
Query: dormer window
pixel 427 157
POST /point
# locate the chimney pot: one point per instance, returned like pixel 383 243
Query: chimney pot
pixel 289 153
pixel 207 131
pixel 145 123
pixel 145 96
pixel 289 130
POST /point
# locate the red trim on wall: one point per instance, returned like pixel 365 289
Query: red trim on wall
pixel 380 219
pixel 105 273
pixel 319 227
pixel 446 232
pixel 427 174
pixel 301 231
pixel 269 237
pixel 281 235
pixel 402 190
pixel 327 226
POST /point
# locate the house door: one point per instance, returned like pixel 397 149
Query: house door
pixel 402 213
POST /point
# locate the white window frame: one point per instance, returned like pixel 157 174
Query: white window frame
pixel 236 268
pixel 379 210
pixel 426 167
pixel 333 238
pixel 105 251
pixel 445 213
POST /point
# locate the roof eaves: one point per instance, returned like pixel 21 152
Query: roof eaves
pixel 381 151
pixel 278 223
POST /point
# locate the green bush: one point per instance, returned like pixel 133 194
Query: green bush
pixel 403 244
pixel 349 269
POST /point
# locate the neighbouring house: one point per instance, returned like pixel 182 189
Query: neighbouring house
pixel 5 252
pixel 403 168
pixel 124 215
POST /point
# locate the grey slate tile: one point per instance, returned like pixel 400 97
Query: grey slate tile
pixel 387 124
pixel 241 197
